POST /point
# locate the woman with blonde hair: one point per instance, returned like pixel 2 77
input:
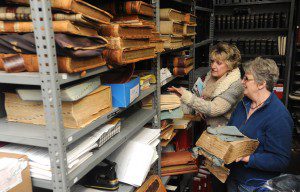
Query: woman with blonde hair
pixel 222 90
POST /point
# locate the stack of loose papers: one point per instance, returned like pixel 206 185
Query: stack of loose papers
pixel 135 158
pixel 77 153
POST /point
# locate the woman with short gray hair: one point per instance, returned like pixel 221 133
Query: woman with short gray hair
pixel 261 115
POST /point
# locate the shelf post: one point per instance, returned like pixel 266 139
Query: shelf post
pixel 45 47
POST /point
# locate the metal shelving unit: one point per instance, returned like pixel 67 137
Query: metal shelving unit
pixel 289 7
pixel 253 3
pixel 53 135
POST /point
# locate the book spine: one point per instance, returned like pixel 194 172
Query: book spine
pixel 109 30
pixel 113 56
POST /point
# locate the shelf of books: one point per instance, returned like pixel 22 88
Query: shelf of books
pixel 73 95
pixel 220 3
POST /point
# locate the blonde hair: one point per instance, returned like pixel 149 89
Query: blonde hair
pixel 228 53
pixel 263 70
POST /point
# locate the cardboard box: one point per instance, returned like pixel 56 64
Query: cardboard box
pixel 25 185
pixel 76 114
pixel 124 94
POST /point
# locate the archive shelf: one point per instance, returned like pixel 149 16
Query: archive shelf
pixel 34 78
pixel 53 135
pixel 284 6
pixel 255 30
pixel 35 135
pixel 131 125
pixel 253 3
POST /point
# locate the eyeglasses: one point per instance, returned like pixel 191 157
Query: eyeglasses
pixel 246 79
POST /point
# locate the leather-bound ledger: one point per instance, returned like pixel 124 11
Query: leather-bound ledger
pixel 76 114
pixel 130 55
pixel 180 71
pixel 128 8
pixel 65 64
pixel 122 43
pixel 182 61
pixel 23 14
pixel 168 14
pixel 177 158
pixel 179 169
pixel 134 19
pixel 126 31
pixel 172 42
pixel 171 28
pixel 75 6
pixel 189 29
pixel 58 27
pixel 190 18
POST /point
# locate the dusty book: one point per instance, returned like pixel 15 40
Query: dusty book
pixel 189 29
pixel 23 14
pixel 134 19
pixel 65 64
pixel 130 55
pixel 179 169
pixel 168 14
pixel 183 61
pixel 171 28
pixel 122 43
pixel 126 31
pixel 75 6
pixel 129 8
pixel 179 71
pixel 75 114
pixel 188 40
pixel 58 27
pixel 227 151
pixel 190 18
pixel 172 42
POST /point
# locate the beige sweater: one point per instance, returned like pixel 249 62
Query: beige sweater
pixel 220 97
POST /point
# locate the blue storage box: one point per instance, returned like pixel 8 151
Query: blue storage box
pixel 124 94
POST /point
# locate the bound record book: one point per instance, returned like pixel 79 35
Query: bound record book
pixel 190 18
pixel 72 92
pixel 65 64
pixel 130 55
pixel 23 14
pixel 122 43
pixel 182 61
pixel 75 114
pixel 58 27
pixel 126 31
pixel 177 158
pixel 75 6
pixel 134 19
pixel 128 8
pixel 172 42
pixel 189 29
pixel 179 71
pixel 168 14
pixel 171 28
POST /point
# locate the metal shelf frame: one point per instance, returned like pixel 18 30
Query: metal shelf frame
pixel 253 3
pixel 53 135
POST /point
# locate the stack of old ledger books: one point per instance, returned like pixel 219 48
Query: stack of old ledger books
pixel 130 32
pixel 183 64
pixel 177 29
pixel 223 145
pixel 170 109
pixel 176 163
pixel 82 103
pixel 75 24
pixel 77 153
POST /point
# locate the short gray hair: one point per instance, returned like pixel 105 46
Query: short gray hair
pixel 263 70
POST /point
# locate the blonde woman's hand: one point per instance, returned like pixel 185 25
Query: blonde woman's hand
pixel 177 91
